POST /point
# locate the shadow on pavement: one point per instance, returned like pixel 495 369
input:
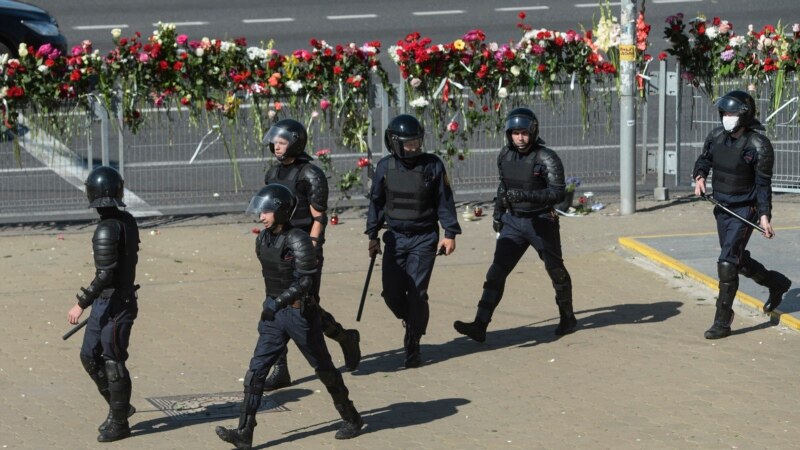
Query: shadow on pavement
pixel 212 413
pixel 791 301
pixel 522 336
pixel 397 415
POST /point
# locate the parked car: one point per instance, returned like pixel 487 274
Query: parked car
pixel 21 22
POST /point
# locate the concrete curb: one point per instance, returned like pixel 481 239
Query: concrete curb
pixel 631 243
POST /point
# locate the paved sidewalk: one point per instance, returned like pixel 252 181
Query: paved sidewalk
pixel 637 373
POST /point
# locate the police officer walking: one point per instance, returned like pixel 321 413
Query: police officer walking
pixel 531 183
pixel 288 265
pixel 287 140
pixel 740 159
pixel 111 294
pixel 410 193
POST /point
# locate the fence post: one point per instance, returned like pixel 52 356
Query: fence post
pixel 661 192
pixel 627 135
pixel 102 113
pixel 678 96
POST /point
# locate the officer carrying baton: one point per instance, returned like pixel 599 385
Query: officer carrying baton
pixel 75 329
pixel 366 287
pixel 727 210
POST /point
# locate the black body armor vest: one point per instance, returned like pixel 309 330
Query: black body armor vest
pixel 276 270
pixel 519 175
pixel 407 196
pixel 731 175
pixel 288 176
pixel 125 272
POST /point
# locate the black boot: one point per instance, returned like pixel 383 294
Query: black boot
pixel 119 387
pixel 568 323
pixel 104 425
pixel 242 436
pixel 279 377
pixel 116 426
pixel 351 427
pixel 349 340
pixel 474 330
pixel 728 285
pixel 411 344
pixel 778 286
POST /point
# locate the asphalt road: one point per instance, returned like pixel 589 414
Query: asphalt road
pixel 292 23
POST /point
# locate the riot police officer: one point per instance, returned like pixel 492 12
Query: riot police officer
pixel 287 140
pixel 111 294
pixel 740 159
pixel 410 193
pixel 531 183
pixel 288 265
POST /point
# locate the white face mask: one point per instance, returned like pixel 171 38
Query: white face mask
pixel 729 122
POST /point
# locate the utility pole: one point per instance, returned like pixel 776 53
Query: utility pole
pixel 627 123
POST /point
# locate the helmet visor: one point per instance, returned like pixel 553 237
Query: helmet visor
pixel 283 134
pixel 519 123
pixel 259 205
pixel 730 105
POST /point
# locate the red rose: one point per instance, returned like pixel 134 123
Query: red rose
pixel 75 75
pixel 15 91
pixel 541 68
pixel 163 65
pixel 521 15
pixel 363 162
pixel 662 56
pixel 177 66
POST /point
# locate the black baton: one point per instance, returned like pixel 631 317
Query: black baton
pixel 366 287
pixel 75 329
pixel 727 210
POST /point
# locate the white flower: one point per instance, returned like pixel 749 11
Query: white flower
pixel 368 49
pixel 796 28
pixel 3 59
pixel 419 102
pixel 736 41
pixel 22 50
pixel 393 54
pixel 226 46
pixel 271 114
pixel 199 51
pixel 3 92
pixel 514 70
pixel 415 82
pixel 43 69
pixel 116 33
pixel 254 53
pixel 294 85
pixel 493 47
pixel 712 32
pixel 502 93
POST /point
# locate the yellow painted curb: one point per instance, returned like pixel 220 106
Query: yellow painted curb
pixel 751 302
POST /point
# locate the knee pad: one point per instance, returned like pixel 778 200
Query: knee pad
pixel 495 277
pixel 116 371
pixel 558 275
pixel 727 272
pixel 92 367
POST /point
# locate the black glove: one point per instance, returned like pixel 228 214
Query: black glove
pixel 497 225
pixel 516 196
pixel 268 313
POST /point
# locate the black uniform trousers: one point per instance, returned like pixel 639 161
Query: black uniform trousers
pixel 303 327
pixel 108 331
pixel 734 234
pixel 541 232
pixel 407 267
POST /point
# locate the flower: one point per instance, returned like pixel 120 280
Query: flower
pixel 116 33
pixel 572 183
pixel 419 102
pixel 452 126
pixel 363 162
pixel 324 104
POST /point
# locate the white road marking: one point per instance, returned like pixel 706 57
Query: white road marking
pixel 277 19
pixel 99 27
pixel 597 4
pixel 676 1
pixel 183 24
pixel 437 13
pixel 522 8
pixel 353 16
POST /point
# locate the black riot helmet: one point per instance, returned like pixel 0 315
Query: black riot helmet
pixel 402 129
pixel 739 103
pixel 276 198
pixel 104 188
pixel 292 131
pixel 522 119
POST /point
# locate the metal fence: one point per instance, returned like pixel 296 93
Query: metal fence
pixel 44 181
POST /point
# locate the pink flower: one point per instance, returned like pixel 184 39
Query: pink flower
pixel 323 152
pixel 77 50
pixel 144 57
pixel 324 104
pixel 182 39
pixel 452 126
pixel 363 162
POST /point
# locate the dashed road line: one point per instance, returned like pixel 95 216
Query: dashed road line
pixel 522 8
pixel 184 24
pixel 353 16
pixel 437 13
pixel 99 27
pixel 273 20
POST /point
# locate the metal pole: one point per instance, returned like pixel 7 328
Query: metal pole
pixel 661 192
pixel 120 136
pixel 102 114
pixel 627 124
pixel 645 115
pixel 678 96
pixel 385 120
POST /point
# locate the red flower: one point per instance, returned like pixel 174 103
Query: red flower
pixel 163 65
pixel 177 66
pixel 75 75
pixel 662 56
pixel 521 15
pixel 452 126
pixel 337 70
pixel 541 68
pixel 363 162
pixel 15 91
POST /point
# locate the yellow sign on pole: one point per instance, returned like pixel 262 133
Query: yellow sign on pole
pixel 627 52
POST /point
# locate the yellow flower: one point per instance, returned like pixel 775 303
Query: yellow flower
pixel 459 44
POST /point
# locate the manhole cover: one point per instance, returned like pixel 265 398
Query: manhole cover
pixel 205 406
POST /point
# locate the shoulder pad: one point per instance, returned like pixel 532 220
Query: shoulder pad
pixel 299 242
pixel 105 243
pixel 318 186
pixel 716 132
pixel 271 173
